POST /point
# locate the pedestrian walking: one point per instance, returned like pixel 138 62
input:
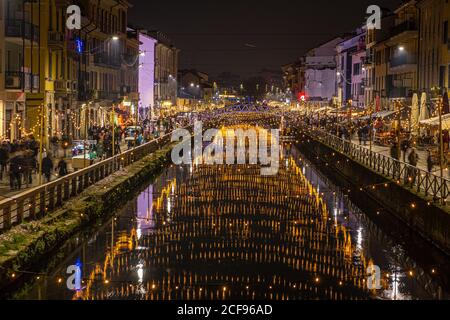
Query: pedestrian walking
pixel 62 168
pixel 15 179
pixel 360 135
pixel 365 134
pixel 405 146
pixel 55 145
pixel 47 167
pixel 4 156
pixel 100 150
pixel 395 156
pixel 430 162
pixel 29 165
pixel 413 159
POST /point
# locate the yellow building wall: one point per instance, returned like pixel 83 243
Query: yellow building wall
pixel 35 101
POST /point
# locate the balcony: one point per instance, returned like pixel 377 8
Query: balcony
pixel 368 61
pixel 402 63
pixel 398 92
pixel 103 59
pixel 17 80
pixel 65 86
pixel 405 30
pixel 105 95
pixel 19 29
pixel 56 40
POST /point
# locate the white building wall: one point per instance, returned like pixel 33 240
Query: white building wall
pixel 147 71
pixel 320 84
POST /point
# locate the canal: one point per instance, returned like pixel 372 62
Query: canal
pixel 226 232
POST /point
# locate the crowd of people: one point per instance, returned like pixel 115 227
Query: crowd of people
pixel 19 162
pixel 365 131
pixel 20 159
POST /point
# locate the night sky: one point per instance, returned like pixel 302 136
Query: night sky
pixel 242 36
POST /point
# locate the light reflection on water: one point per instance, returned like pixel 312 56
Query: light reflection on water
pixel 225 232
pixel 402 277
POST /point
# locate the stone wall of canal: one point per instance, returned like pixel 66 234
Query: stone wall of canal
pixel 24 247
pixel 429 220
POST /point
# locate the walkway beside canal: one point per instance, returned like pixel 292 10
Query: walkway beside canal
pixel 29 242
pixel 415 196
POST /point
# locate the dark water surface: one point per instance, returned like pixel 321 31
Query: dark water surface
pixel 226 232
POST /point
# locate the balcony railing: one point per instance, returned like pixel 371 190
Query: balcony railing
pixel 56 39
pixel 403 27
pixel 402 60
pixel 421 182
pixel 21 29
pixel 65 86
pixel 398 92
pixel 17 80
pixel 107 60
pixel 106 95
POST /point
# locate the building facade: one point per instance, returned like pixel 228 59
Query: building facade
pixel 349 52
pixel 434 45
pixel 294 78
pixel 194 84
pixel 56 81
pixel 166 70
pixel 320 72
pixel 375 63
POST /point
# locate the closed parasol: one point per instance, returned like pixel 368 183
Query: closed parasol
pixel 424 112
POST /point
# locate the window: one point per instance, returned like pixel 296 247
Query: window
pixel 357 69
pixel 442 71
pixel 445 32
pixel 8 60
pixel 50 66
pixel 57 66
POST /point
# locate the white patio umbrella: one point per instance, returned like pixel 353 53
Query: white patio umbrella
pixel 415 115
pixel 424 112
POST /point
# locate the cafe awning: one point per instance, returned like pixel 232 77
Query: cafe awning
pixel 380 114
pixel 347 109
pixel 434 122
pixel 321 110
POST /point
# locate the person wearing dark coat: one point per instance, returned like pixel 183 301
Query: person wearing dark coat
pixel 29 165
pixel 62 168
pixel 15 179
pixel 4 156
pixel 47 168
pixel 430 162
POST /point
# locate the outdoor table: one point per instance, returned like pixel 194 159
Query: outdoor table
pixel 383 138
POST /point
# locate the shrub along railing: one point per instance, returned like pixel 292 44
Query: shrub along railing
pixel 36 203
pixel 421 181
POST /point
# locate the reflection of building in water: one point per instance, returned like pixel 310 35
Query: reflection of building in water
pixel 145 210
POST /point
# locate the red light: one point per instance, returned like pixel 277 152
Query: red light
pixel 301 96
